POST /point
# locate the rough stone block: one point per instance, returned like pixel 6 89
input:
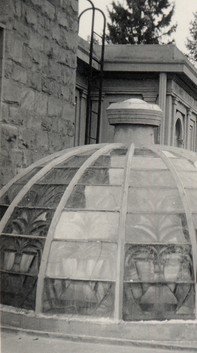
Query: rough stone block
pixel 19 74
pixel 31 16
pixel 55 143
pixel 36 41
pixel 66 92
pixel 27 138
pixel 17 158
pixel 62 19
pixel 34 80
pixel 42 140
pixel 14 48
pixel 15 115
pixel 9 135
pixel 48 9
pixel 56 34
pixel 74 5
pixel 18 8
pixel 5 112
pixel 28 99
pixel 11 91
pixel 8 68
pixel 41 101
pixel 54 106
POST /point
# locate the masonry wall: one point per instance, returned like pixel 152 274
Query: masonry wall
pixel 38 83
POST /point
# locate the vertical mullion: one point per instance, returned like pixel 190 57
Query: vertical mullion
pixel 121 238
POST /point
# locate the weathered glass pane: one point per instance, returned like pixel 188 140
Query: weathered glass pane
pixel 88 225
pixel 192 198
pixel 2 211
pixel 144 152
pixel 58 176
pixel 95 197
pixel 158 301
pixel 18 290
pixel 194 217
pixel 153 200
pixel 26 221
pixel 79 297
pixel 147 163
pixel 189 179
pixel 77 160
pixel 139 178
pixel 43 196
pixel 162 228
pixel 78 260
pixel 114 159
pixel 169 154
pixel 183 164
pixel 95 176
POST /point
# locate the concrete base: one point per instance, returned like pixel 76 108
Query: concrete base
pixel 103 330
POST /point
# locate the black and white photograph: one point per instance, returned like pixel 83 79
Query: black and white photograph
pixel 98 176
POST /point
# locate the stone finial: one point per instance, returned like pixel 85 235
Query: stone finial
pixel 134 120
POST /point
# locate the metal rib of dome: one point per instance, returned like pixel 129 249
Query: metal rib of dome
pixel 103 230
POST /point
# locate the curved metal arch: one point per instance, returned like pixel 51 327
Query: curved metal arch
pixel 57 214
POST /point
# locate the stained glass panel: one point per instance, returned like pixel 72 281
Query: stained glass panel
pixel 87 225
pixel 79 297
pixel 20 261
pixel 95 197
pixel 158 301
pixel 102 176
pixel 2 210
pixel 158 282
pixel 158 263
pixel 144 152
pixel 18 290
pixel 83 261
pixel 192 198
pixel 43 196
pixel 26 221
pixel 143 178
pixel 183 164
pixel 77 160
pixel 189 179
pixel 162 228
pixel 114 159
pixel 16 187
pixel 58 176
pixel 147 163
pixel 153 200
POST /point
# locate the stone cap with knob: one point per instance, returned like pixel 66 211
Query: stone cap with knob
pixel 134 120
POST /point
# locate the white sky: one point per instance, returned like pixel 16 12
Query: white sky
pixel 183 16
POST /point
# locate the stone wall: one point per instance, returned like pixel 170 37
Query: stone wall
pixel 38 81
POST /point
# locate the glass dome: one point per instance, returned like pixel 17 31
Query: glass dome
pixel 105 230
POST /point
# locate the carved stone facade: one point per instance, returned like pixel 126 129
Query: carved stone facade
pixel 38 44
pixel 157 74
